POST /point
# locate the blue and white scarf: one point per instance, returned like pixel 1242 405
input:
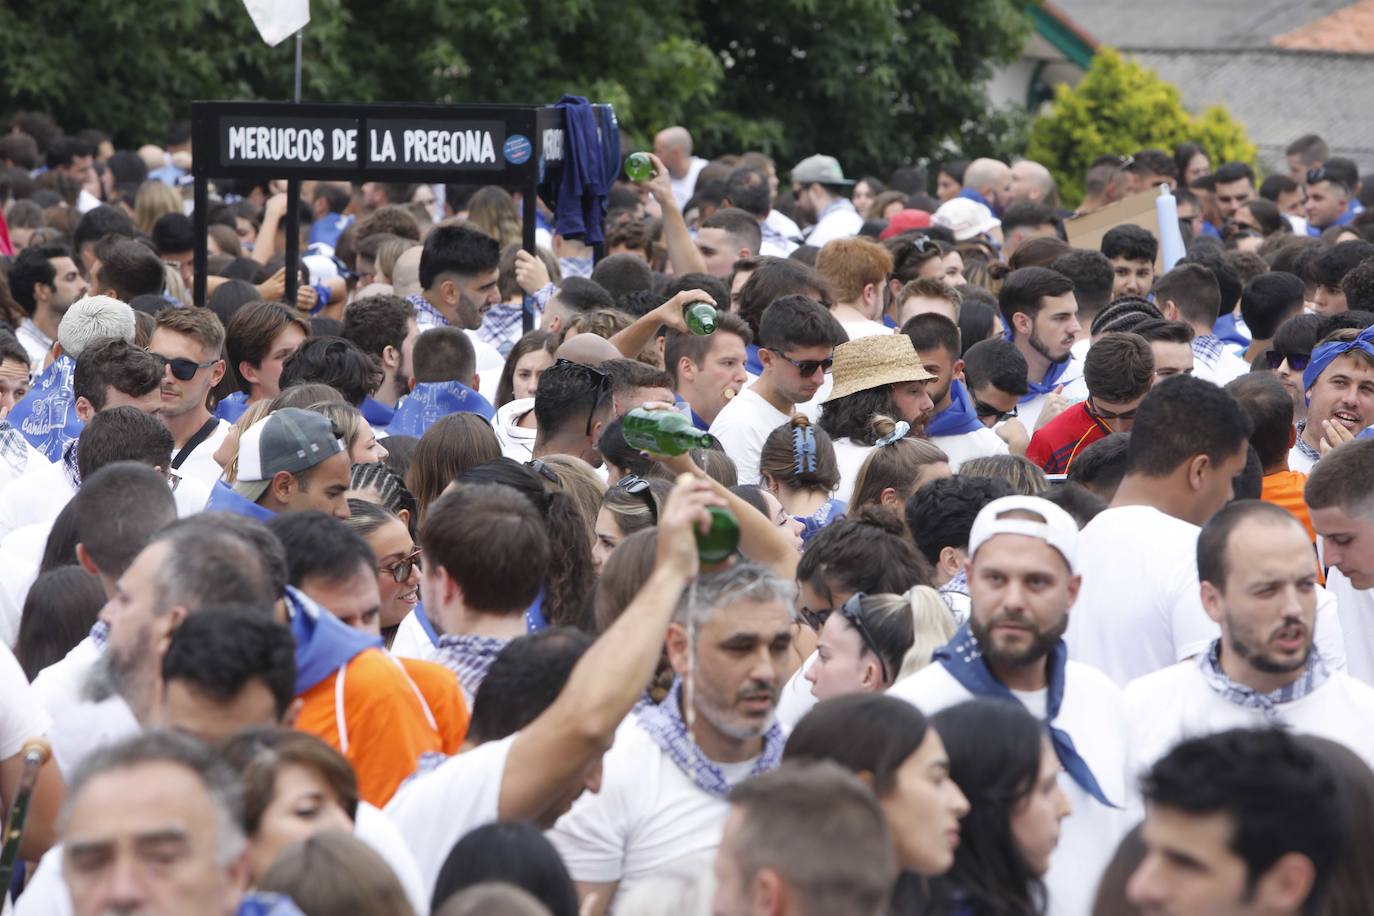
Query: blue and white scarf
pixel 1303 448
pixel 963 659
pixel 664 724
pixel 470 657
pixel 959 418
pixel 1314 675
pixel 47 414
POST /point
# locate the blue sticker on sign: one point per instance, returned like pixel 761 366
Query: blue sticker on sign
pixel 517 149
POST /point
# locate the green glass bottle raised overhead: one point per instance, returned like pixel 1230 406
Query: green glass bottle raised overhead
pixel 700 318
pixel 639 167
pixel 662 432
pixel 720 543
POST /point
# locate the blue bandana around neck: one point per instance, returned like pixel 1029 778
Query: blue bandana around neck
pixel 664 724
pixel 959 418
pixel 963 659
pixel 377 414
pixel 232 407
pixel 224 498
pixel 752 363
pixel 324 643
pixel 1326 354
pixel 1051 381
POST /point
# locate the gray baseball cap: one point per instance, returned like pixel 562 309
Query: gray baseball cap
pixel 290 439
pixel 819 170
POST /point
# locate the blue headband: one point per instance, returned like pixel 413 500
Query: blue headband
pixel 804 450
pixel 1328 353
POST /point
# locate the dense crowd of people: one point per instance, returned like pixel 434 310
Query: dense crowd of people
pixel 1053 590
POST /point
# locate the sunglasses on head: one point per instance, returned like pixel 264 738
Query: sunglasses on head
pixel 852 611
pixel 401 569
pixel 183 369
pixel 639 487
pixel 807 367
pixel 598 378
pixel 987 410
pixel 1296 361
pixel 544 471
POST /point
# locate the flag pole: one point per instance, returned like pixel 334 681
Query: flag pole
pixel 297 96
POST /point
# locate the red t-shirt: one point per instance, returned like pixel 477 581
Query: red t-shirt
pixel 1055 445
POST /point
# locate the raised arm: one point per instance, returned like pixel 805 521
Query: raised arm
pixel 682 251
pixel 555 750
pixel 633 339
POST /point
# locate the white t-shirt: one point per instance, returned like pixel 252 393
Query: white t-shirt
pixel 1176 703
pixel 685 187
pixel 87 727
pixel 840 222
pixel 200 465
pixel 1075 389
pixel 849 458
pixel 378 831
pixel 865 328
pixel 412 641
pixel 517 442
pixel 46 893
pixel 38 496
pixel 16 466
pixel 966 446
pixel 782 223
pixel 1355 610
pixel 1227 367
pixel 796 699
pixel 439 808
pixel 58 686
pixel 648 821
pixel 741 426
pixel 21 715
pixel 1092 714
pixel 16 577
pixel 1299 461
pixel 1140 607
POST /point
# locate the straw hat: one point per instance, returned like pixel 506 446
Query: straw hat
pixel 869 362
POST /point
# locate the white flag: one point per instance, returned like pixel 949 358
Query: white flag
pixel 278 19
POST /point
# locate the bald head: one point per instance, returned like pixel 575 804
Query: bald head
pixel 674 146
pixel 405 275
pixel 588 349
pixel 992 179
pixel 1031 181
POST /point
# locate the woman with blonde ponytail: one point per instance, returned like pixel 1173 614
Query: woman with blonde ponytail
pixel 797 465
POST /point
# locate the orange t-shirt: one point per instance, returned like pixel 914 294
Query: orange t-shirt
pixel 1284 489
pixel 380 723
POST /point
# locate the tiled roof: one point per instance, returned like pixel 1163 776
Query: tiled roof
pixel 1347 31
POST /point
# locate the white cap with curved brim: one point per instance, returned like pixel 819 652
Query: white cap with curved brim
pixel 1057 529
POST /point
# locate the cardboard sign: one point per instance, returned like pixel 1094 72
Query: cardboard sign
pixel 1139 209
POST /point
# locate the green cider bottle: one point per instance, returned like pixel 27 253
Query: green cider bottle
pixel 720 543
pixel 639 167
pixel 700 318
pixel 662 432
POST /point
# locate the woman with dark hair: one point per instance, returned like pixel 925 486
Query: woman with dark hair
pixel 527 360
pixel 1002 759
pixel 377 483
pixel 567 597
pixel 1351 887
pixel 949 180
pixel 452 445
pixel 978 322
pixel 512 853
pixel 61 607
pixel 866 189
pixel 894 749
pixel 862 645
pixel 398 561
pixel 1192 163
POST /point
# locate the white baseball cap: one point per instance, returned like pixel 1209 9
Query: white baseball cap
pixel 1058 529
pixel 967 219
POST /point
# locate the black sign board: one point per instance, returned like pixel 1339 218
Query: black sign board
pixel 514 146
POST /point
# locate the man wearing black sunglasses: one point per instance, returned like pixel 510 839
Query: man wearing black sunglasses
pixel 189 343
pixel 797 340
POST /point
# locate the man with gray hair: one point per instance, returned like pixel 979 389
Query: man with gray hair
pixel 663 799
pixel 47 416
pixel 152 824
pixel 772 850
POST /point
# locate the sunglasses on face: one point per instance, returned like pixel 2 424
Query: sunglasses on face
pixel 1107 414
pixel 807 367
pixel 1296 361
pixel 987 410
pixel 401 569
pixel 184 369
pixel 639 488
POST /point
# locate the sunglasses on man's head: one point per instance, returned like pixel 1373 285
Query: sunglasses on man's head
pixel 184 369
pixel 599 378
pixel 807 367
pixel 1296 361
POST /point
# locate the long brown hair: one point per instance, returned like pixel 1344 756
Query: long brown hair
pixel 448 448
pixel 896 465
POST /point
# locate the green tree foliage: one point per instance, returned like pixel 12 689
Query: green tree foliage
pixel 1120 107
pixel 876 83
